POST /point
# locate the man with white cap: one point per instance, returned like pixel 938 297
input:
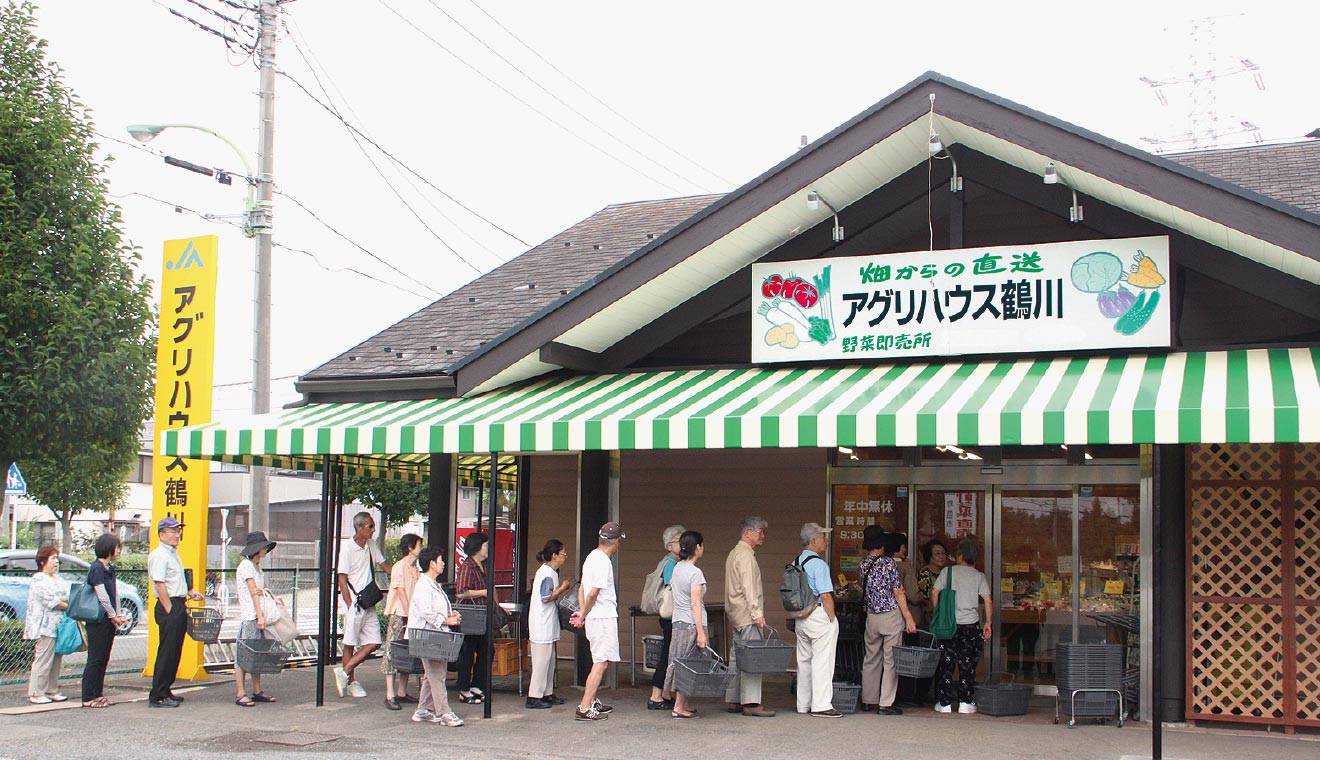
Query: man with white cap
pixel 818 633
pixel 598 609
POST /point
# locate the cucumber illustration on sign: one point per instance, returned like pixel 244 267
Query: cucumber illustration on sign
pixel 1102 272
pixel 789 310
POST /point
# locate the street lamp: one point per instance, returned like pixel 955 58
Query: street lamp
pixel 257 224
pixel 253 221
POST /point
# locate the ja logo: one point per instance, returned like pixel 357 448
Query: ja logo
pixel 188 258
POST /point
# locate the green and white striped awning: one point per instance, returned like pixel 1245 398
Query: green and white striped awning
pixel 1267 395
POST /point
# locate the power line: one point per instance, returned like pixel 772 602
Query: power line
pixel 218 14
pixel 398 161
pixel 591 95
pixel 531 107
pixel 354 243
pixel 178 207
pixel 351 270
pixel 563 102
pixel 308 57
pixel 202 26
pixel 383 177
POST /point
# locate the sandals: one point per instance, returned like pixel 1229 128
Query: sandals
pixel 98 702
pixel 244 701
pixel 678 714
pixel 261 696
pixel 471 698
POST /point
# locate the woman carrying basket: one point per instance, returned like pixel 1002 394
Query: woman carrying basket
pixel 689 587
pixel 251 584
pixel 430 611
pixel 403 577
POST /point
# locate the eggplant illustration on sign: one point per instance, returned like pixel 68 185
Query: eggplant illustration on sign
pixel 1102 272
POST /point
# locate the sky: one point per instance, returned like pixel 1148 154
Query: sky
pixel 535 115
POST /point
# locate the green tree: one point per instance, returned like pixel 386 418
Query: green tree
pixel 69 485
pixel 76 343
pixel 398 500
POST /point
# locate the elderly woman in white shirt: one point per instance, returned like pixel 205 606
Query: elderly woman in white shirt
pixel 47 598
pixel 430 610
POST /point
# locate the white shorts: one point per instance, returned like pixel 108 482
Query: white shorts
pixel 603 635
pixel 361 627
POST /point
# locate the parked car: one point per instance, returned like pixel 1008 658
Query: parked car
pixel 14 586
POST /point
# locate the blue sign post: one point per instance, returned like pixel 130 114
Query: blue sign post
pixel 15 485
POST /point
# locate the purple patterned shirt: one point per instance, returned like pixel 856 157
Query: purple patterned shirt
pixel 880 580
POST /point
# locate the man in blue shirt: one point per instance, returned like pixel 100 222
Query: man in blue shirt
pixel 818 633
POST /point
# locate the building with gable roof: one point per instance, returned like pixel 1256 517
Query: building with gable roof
pixel 1136 446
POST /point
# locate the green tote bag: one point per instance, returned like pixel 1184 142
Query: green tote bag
pixel 945 622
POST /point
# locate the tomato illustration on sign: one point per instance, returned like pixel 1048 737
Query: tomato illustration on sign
pixel 806 296
pixel 772 286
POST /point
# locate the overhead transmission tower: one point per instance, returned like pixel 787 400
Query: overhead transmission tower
pixel 1207 127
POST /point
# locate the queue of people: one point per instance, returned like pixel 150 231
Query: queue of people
pixel 897 599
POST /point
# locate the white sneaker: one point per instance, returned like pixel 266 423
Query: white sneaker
pixel 423 716
pixel 939 708
pixel 448 719
pixel 967 708
pixel 341 681
pixel 355 690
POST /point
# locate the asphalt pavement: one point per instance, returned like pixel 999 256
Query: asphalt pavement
pixel 208 724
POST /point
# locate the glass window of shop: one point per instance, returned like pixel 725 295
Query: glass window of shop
pixel 1061 555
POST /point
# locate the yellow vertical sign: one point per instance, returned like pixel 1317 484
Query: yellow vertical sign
pixel 185 364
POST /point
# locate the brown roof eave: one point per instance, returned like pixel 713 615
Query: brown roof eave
pixel 442 385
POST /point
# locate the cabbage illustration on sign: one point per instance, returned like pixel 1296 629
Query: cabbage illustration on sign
pixel 1102 273
pixel 789 310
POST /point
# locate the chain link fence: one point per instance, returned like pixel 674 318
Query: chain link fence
pixel 299 588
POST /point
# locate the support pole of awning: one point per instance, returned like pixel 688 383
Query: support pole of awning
pixel 491 600
pixel 325 560
pixel 1157 608
pixel 324 598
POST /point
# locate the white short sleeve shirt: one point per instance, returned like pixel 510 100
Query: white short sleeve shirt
pixel 598 572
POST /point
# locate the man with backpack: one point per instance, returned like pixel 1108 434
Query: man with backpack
pixel 817 630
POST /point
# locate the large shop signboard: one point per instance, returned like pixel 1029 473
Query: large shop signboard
pixel 1088 294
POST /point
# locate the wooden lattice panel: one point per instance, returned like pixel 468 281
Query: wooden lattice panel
pixel 1308 663
pixel 1237 548
pixel 1306 540
pixel 1237 657
pixel 1233 461
pixel 1307 461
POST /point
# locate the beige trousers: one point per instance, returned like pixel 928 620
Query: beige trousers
pixel 884 631
pixel 543 671
pixel 817 638
pixel 433 696
pixel 745 688
pixel 45 668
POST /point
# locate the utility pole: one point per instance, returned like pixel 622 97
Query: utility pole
pixel 263 224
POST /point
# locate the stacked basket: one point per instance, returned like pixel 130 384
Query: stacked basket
pixel 1080 667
